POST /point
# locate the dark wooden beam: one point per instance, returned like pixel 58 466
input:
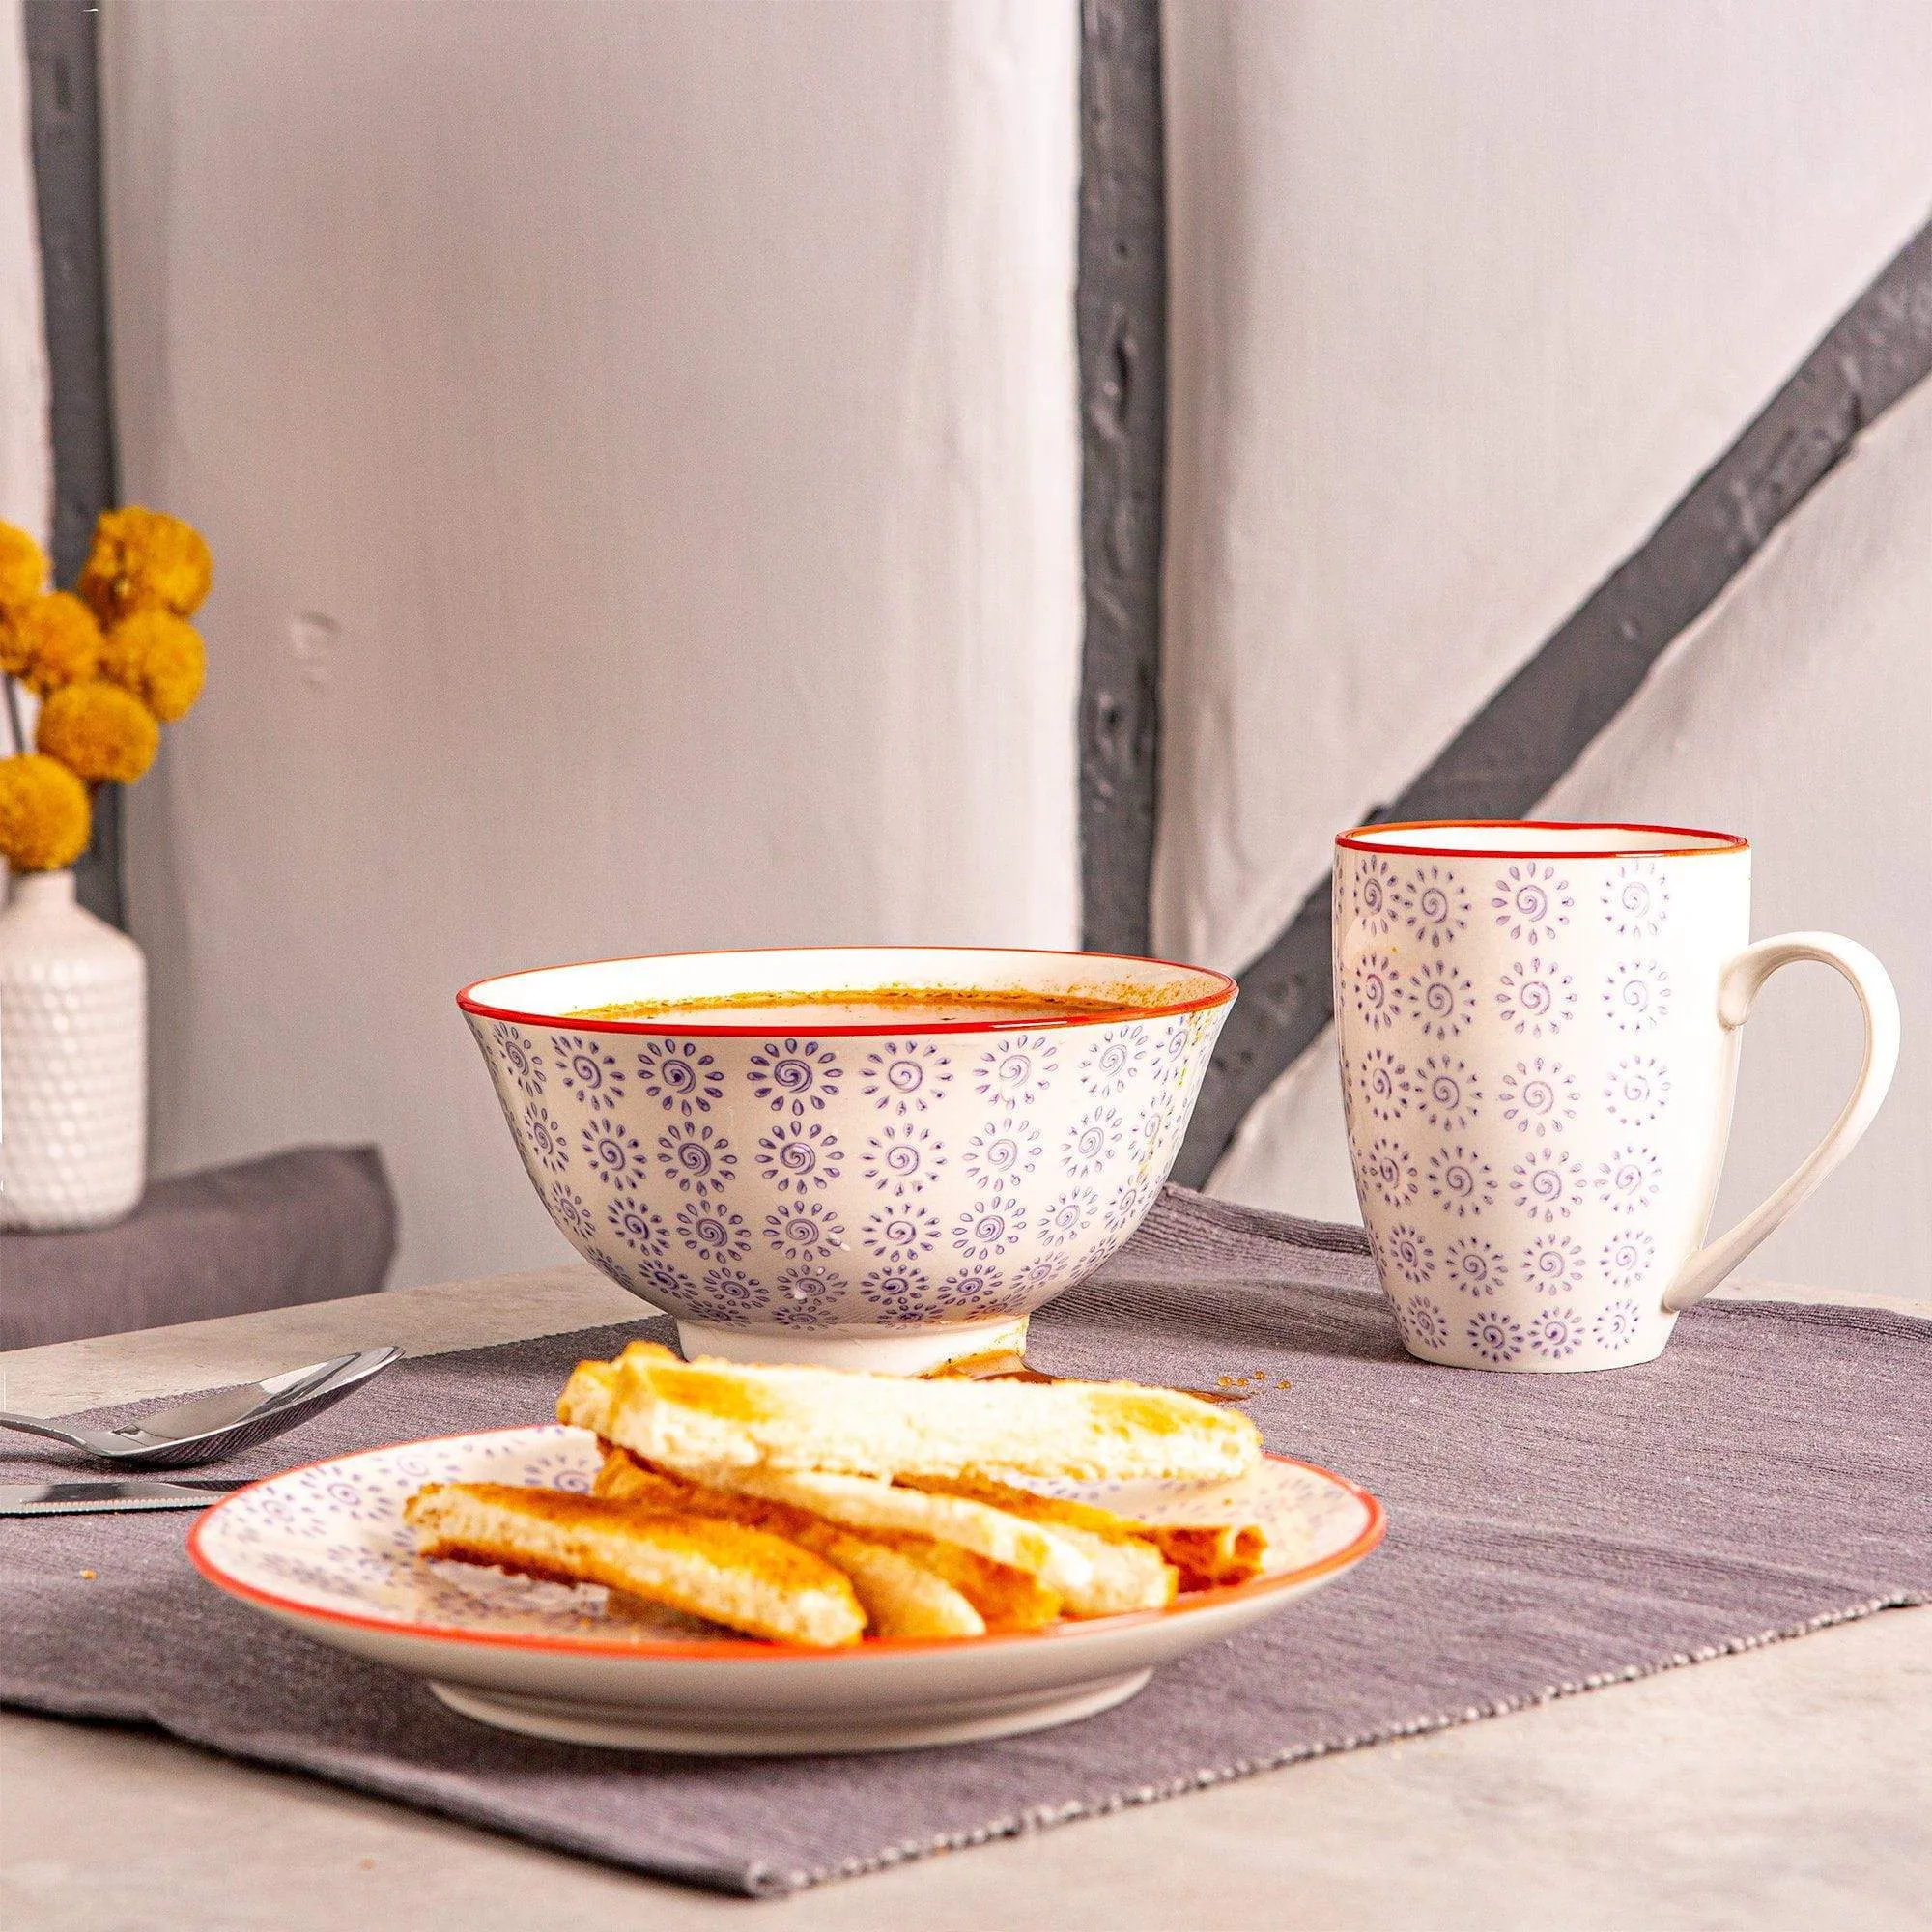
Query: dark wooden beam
pixel 64 107
pixel 1516 747
pixel 1122 316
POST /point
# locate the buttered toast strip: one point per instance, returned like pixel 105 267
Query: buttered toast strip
pixel 1092 1575
pixel 727 1415
pixel 1208 1556
pixel 865 1502
pixel 900 1595
pixel 729 1572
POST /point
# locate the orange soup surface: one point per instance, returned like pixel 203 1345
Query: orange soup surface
pixel 872 1007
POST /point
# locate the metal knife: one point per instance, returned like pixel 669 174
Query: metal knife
pixel 125 1493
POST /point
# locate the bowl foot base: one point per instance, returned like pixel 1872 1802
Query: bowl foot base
pixel 782 1733
pixel 886 1352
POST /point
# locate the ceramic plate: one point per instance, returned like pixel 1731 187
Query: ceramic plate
pixel 325 1548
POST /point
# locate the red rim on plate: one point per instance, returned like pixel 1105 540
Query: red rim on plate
pixel 753 1650
pixel 1223 991
pixel 1367 838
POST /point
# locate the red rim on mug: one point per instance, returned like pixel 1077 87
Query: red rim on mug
pixel 1688 842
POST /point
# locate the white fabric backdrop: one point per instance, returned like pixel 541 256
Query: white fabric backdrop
pixel 639 446
pixel 26 467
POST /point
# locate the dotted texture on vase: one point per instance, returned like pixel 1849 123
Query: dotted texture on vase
pixel 73 1063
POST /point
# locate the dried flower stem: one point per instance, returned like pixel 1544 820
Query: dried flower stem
pixel 13 724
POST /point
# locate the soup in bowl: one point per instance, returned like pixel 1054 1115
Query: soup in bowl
pixel 879 1156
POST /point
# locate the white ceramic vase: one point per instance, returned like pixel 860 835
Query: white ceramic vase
pixel 73 1062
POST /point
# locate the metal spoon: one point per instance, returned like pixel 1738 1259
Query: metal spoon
pixel 214 1426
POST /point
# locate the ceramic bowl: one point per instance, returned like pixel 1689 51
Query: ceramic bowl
pixel 887 1197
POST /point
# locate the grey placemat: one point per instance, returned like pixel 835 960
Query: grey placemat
pixel 312 1224
pixel 1548 1534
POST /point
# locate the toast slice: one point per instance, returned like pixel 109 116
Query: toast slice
pixel 729 1572
pixel 900 1595
pixel 866 1503
pixel 715 1415
pixel 1208 1556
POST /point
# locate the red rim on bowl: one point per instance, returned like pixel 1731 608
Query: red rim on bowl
pixel 1696 842
pixel 1224 992
pixel 752 1650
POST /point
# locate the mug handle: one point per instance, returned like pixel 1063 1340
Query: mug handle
pixel 1736 992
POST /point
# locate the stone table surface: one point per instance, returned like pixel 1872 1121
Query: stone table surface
pixel 1789 1787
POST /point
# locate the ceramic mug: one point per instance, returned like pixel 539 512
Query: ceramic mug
pixel 1538 1028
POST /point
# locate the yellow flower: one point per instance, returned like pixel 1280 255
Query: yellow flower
pixel 145 560
pixel 44 819
pixel 159 657
pixel 23 568
pixel 54 641
pixel 98 732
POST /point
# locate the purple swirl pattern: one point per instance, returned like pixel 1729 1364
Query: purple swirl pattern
pixel 1422 1325
pixel 1091 1143
pixel 1017 1072
pixel 1131 1199
pixel 899 1233
pixel 1475 1267
pixel 1449 1096
pixel 989 1228
pixel 568 1211
pixel 1068 1217
pixel 1494 1336
pixel 696 1157
pixel 900 1292
pixel 661 1278
pixel 637 1226
pixel 1109 1066
pixel 806 1295
pixel 1630 1181
pixel 1637 898
pixel 1443 999
pixel 1626 1259
pixel 799 1155
pixel 1548 1184
pixel 680 1076
pixel 1374 896
pixel 796 1076
pixel 1461 1182
pixel 1637 995
pixel 1556 1263
pixel 1617 1324
pixel 543 1138
pixel 713 1232
pixel 972 1288
pixel 588 1072
pixel 516 1054
pixel 1537 999
pixel 1435 906
pixel 731 1294
pixel 1382 1084
pixel 614 1155
pixel 804 1230
pixel 1407 1251
pixel 1539 1098
pixel 1391 1168
pixel 1532 903
pixel 1001 1154
pixel 1048 1272
pixel 1376 987
pixel 901 1161
pixel 1637 1090
pixel 905 1077
pixel 1557 1333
